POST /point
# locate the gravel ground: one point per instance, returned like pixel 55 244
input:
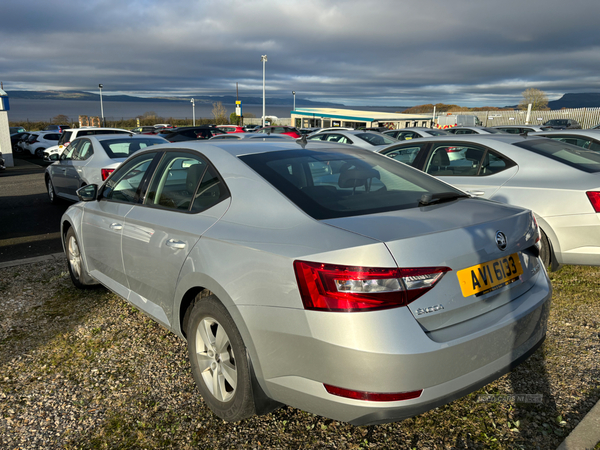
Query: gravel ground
pixel 83 369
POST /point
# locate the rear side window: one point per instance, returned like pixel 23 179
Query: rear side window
pixel 185 182
pixel 406 154
pixel 465 160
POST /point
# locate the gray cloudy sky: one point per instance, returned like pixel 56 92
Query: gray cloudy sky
pixel 382 52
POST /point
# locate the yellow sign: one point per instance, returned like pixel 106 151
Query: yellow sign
pixel 487 277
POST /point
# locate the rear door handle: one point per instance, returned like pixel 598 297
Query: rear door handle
pixel 116 226
pixel 175 244
pixel 476 193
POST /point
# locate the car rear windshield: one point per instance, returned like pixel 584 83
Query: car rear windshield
pixel 334 183
pixel 122 148
pixel 571 155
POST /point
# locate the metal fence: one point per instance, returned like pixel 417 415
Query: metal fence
pixel 587 117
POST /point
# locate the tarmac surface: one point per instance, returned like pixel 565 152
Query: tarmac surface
pixel 28 245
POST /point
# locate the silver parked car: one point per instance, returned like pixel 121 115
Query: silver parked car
pixel 90 160
pixel 317 275
pixel 588 139
pixel 474 130
pixel 368 140
pixel 559 182
pixel 519 129
pixel 406 134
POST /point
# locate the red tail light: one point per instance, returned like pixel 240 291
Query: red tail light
pixel 372 396
pixel 106 173
pixel 594 199
pixel 328 287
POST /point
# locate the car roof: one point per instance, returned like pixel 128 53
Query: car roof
pixel 106 137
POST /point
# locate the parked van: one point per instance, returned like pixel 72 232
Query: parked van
pixel 454 120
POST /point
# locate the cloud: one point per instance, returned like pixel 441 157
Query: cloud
pixel 388 52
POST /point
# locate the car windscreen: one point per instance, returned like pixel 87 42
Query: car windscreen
pixel 122 148
pixel 65 137
pixel 334 183
pixel 571 155
pixel 437 132
pixel 494 130
pixel 376 139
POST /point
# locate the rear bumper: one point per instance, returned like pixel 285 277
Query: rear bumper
pixel 387 352
pixel 578 237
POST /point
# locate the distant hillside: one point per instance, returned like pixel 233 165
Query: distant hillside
pixel 226 99
pixel 590 100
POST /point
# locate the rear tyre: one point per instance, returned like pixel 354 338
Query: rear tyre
pixel 545 250
pixel 39 152
pixel 219 362
pixel 75 262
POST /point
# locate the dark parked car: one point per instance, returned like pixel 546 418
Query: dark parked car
pixel 190 133
pixel 561 124
pixel 15 138
pixel 14 130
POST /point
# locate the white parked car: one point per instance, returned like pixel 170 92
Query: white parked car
pixel 90 160
pixel 71 134
pixel 38 141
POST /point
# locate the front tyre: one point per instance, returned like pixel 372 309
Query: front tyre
pixel 218 358
pixel 75 262
pixel 51 191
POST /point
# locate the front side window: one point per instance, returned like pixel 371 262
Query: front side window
pixel 124 183
pixel 343 182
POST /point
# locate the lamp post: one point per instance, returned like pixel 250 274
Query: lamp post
pixel 263 58
pixel 101 107
pixel 193 112
pixel 294 94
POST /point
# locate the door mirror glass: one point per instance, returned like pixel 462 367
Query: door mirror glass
pixel 87 193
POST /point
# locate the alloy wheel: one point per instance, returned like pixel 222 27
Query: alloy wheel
pixel 216 360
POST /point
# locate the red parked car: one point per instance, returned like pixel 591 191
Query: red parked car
pixel 290 131
pixel 231 129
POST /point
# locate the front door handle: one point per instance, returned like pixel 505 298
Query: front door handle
pixel 116 226
pixel 175 244
pixel 476 193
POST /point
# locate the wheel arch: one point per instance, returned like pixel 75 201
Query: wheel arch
pixel 206 287
pixel 555 264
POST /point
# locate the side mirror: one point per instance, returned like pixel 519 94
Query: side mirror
pixel 87 193
pixel 53 157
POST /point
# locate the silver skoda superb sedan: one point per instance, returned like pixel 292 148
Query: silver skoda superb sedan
pixel 317 275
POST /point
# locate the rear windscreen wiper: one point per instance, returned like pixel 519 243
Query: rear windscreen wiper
pixel 440 197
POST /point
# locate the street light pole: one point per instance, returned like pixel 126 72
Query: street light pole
pixel 193 112
pixel 294 94
pixel 263 58
pixel 101 107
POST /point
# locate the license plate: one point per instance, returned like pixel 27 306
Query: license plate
pixel 487 277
